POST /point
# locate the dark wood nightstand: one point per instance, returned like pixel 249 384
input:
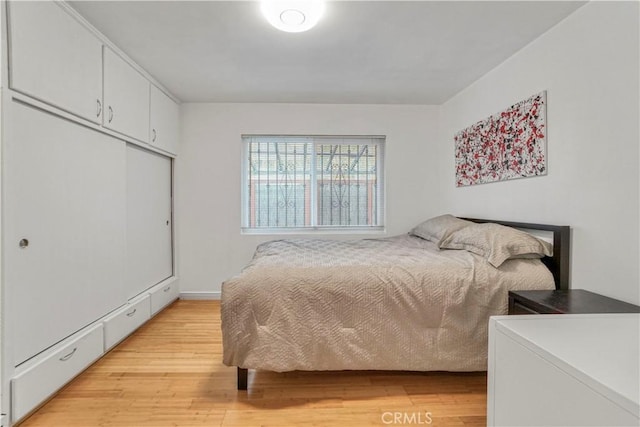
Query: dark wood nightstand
pixel 572 301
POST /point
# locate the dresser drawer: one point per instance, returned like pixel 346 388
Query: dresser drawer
pixel 162 295
pixel 35 384
pixel 120 324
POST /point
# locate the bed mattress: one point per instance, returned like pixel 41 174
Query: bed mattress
pixel 396 303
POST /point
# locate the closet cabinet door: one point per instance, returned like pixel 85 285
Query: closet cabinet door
pixel 64 215
pixel 126 98
pixel 54 58
pixel 149 222
pixel 163 131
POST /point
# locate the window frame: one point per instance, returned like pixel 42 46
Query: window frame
pixel 378 140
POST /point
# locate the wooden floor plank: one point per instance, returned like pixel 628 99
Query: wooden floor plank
pixel 170 373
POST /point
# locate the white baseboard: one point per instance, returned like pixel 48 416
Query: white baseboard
pixel 213 295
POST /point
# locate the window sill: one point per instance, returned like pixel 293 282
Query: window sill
pixel 314 231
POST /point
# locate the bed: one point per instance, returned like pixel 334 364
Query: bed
pixel 409 302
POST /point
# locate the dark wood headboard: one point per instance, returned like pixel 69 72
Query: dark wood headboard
pixel 558 264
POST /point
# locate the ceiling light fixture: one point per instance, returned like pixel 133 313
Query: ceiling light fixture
pixel 293 16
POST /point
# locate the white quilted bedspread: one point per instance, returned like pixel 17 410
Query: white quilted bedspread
pixel 375 304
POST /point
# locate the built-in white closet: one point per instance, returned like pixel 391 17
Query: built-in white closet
pixel 87 166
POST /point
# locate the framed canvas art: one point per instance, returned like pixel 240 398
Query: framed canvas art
pixel 508 145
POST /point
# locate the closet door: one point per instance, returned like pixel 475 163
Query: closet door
pixel 64 227
pixel 54 58
pixel 149 222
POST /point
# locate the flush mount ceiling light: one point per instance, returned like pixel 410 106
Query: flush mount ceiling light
pixel 293 16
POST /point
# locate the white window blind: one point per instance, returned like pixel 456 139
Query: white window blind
pixel 312 183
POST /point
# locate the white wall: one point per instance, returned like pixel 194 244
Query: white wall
pixel 211 248
pixel 589 66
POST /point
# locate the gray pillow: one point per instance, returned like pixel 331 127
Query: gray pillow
pixel 439 228
pixel 497 243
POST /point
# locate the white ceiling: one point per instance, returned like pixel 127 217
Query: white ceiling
pixel 361 52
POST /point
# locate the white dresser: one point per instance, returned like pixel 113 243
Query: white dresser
pixel 564 370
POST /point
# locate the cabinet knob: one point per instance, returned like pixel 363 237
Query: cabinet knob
pixel 23 243
pixel 110 114
pixel 153 138
pixel 99 108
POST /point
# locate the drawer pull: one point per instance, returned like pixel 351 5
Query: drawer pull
pixel 99 108
pixel 154 136
pixel 110 114
pixel 69 356
pixel 167 289
pixel 132 313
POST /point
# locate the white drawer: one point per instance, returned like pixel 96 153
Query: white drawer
pixel 120 324
pixel 162 295
pixel 35 384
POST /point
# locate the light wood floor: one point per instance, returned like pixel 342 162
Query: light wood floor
pixel 169 373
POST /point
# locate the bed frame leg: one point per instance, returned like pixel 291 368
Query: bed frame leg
pixel 242 378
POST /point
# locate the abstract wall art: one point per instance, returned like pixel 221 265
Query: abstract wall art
pixel 508 145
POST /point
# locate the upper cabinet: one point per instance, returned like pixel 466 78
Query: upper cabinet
pixel 163 128
pixel 126 98
pixel 55 59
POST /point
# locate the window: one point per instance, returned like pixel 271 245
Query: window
pixel 312 183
